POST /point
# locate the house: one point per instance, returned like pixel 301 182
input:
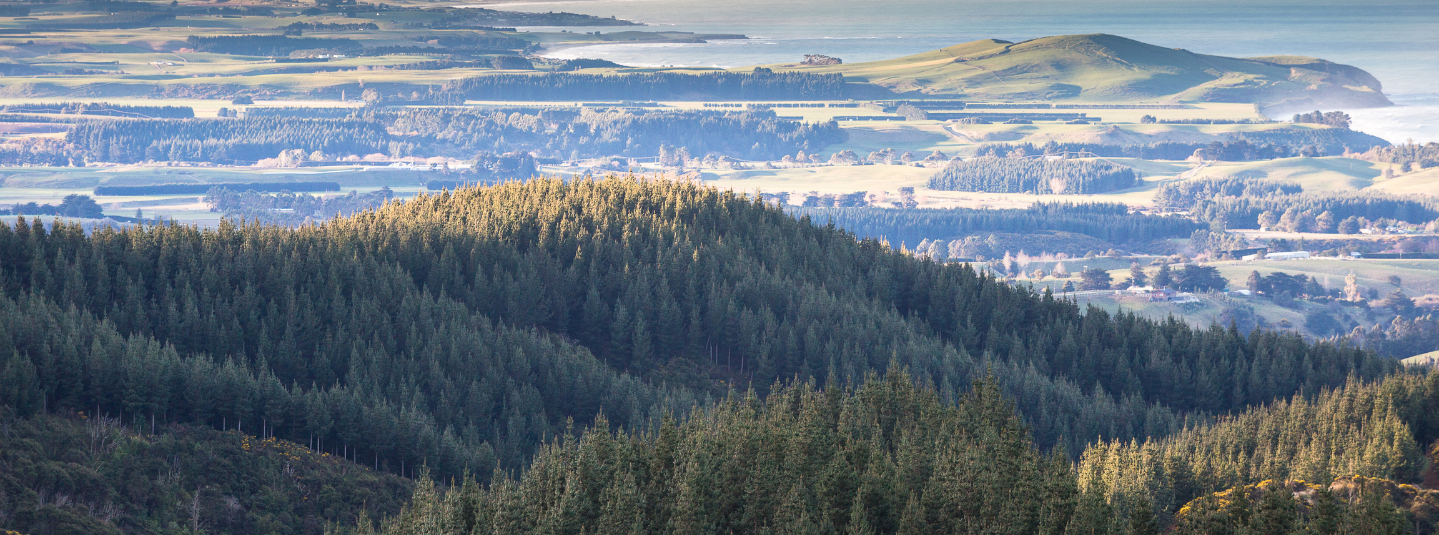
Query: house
pixel 1161 295
pixel 1184 297
pixel 1292 255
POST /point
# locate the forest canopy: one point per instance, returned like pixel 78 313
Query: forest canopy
pixel 469 329
pixel 1037 176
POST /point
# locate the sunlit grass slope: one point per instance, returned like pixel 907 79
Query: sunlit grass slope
pixel 1101 67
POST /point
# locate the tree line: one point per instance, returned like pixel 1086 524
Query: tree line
pixel 1110 222
pixel 583 133
pixel 1309 212
pixel 1038 176
pixel 102 108
pixel 761 84
pixel 1185 194
pixel 263 45
pixel 1242 146
pixel 1410 156
pixel 73 205
pixel 286 208
pixel 1336 119
pixel 186 189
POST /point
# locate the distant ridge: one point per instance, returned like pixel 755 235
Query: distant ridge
pixel 1102 67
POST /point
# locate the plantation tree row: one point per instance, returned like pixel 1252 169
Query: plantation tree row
pixel 1110 222
pixel 446 132
pixel 1033 175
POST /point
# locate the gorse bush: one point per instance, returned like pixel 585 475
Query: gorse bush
pixel 86 473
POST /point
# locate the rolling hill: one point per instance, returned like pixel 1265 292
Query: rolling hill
pixel 1100 67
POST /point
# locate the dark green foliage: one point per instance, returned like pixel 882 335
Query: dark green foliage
pixel 450 132
pixel 1242 146
pixel 474 40
pixel 19 386
pixel 586 63
pixel 288 208
pixel 1401 338
pixel 84 474
pixel 511 63
pixel 263 45
pixel 1322 323
pixel 102 108
pixel 590 133
pixel 1244 212
pixel 1164 278
pixel 485 19
pixel 1280 282
pixel 1185 194
pixel 1109 222
pixel 1094 279
pixel 192 189
pixel 687 286
pixel 1336 119
pixel 1411 154
pixel 1197 278
pixel 74 205
pixel 884 458
pixel 1369 506
pixel 1366 429
pixel 338 27
pixel 1314 141
pixel 720 85
pixel 1028 175
pixel 1217 243
pixel 127 19
pixel 462 330
pixel 1234 151
pixel 223 140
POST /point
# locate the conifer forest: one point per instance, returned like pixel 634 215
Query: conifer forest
pixel 683 267
pixel 640 355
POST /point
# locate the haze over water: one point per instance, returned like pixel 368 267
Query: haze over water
pixel 1396 40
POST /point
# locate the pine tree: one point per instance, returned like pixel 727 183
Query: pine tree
pixel 19 388
pixel 1142 521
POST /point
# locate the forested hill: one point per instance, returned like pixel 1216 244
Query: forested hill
pixel 461 330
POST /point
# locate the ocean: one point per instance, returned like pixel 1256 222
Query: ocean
pixel 1396 40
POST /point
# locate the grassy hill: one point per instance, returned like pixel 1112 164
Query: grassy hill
pixel 1101 67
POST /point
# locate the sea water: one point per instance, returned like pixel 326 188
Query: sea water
pixel 1396 40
